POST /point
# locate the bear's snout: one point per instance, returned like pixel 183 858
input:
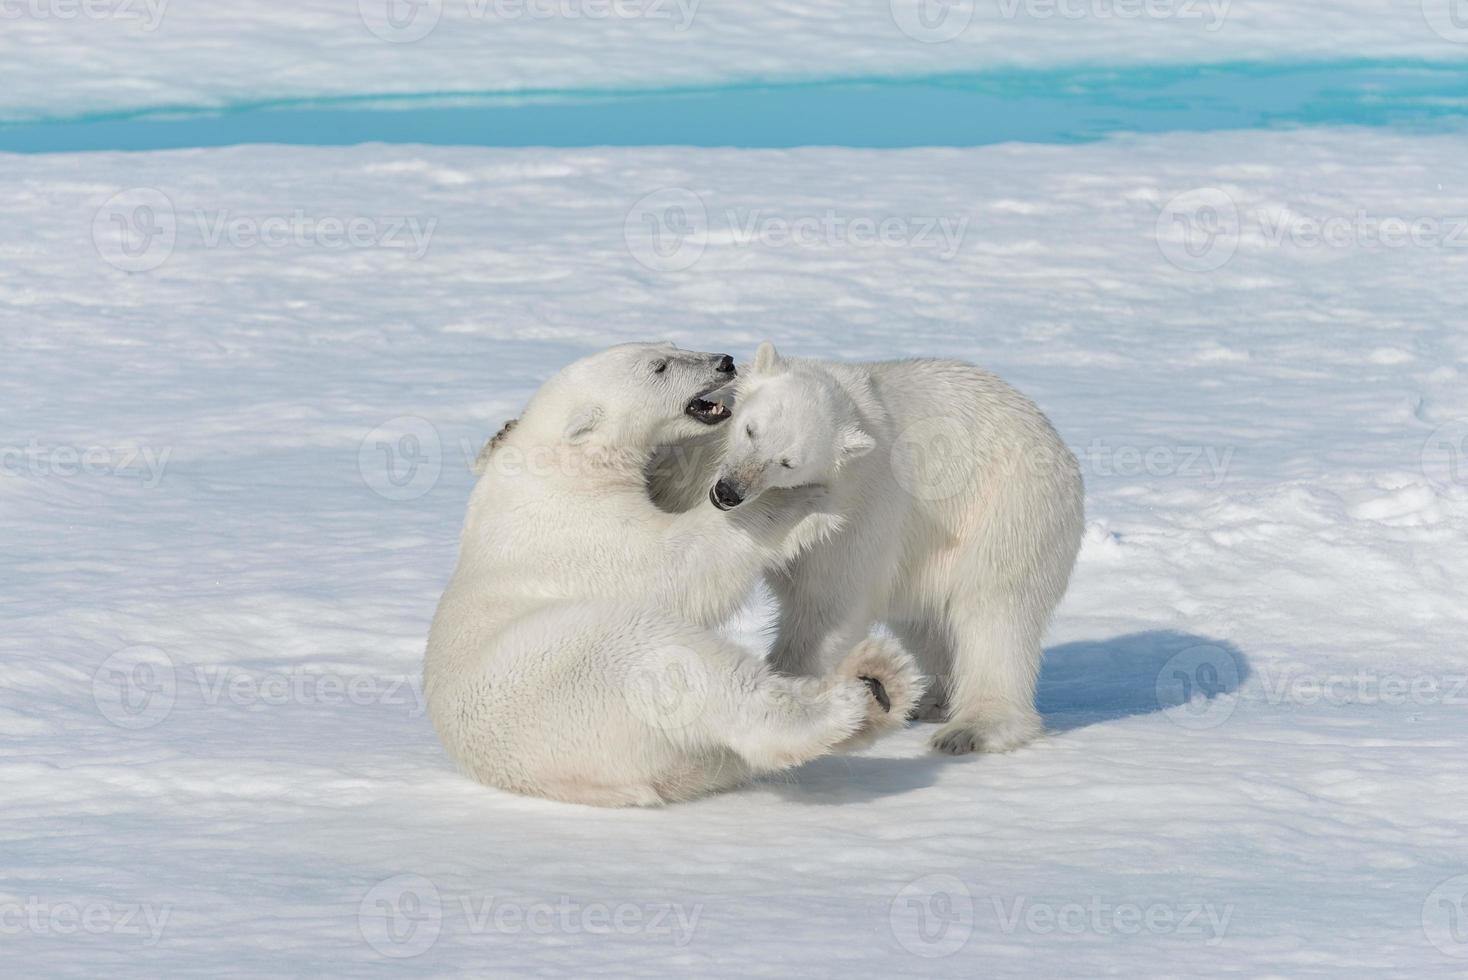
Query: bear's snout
pixel 726 365
pixel 725 495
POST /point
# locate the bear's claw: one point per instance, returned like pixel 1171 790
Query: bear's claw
pixel 878 691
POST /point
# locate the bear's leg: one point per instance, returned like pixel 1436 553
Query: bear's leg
pixel 719 771
pixel 779 722
pixel 996 664
pixel 799 638
pixel 700 774
pixel 592 793
pixel 787 721
pixel 930 644
pixel 814 634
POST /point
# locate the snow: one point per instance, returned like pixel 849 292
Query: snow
pixel 68 56
pixel 235 468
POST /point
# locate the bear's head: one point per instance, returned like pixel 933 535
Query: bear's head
pixel 793 427
pixel 633 398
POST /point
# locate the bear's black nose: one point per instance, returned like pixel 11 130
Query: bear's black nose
pixel 725 495
pixel 726 365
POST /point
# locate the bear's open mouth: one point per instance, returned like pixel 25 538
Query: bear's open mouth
pixel 706 411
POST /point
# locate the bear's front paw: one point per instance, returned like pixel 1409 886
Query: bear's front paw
pixel 1000 735
pixel 892 685
pixel 816 527
pixel 793 505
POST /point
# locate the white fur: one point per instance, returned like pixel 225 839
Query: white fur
pixel 964 559
pixel 572 655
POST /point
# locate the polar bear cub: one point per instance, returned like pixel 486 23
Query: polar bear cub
pixel 572 655
pixel 963 517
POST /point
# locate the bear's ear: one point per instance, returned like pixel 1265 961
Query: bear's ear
pixel 855 443
pixel 584 421
pixel 767 360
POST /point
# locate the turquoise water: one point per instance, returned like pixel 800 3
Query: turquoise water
pixel 1052 106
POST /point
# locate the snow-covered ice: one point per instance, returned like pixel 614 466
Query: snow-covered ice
pixel 235 464
pixel 63 57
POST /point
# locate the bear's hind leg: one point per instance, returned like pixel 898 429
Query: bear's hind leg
pixel 721 771
pixel 996 665
pixel 931 646
pixel 591 793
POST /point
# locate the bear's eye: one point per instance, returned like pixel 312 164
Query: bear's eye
pixel 749 431
pixel 659 367
pixel 787 464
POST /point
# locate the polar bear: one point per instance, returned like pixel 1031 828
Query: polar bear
pixel 572 655
pixel 963 517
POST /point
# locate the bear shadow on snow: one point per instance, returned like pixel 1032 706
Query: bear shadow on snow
pixel 1094 681
pixel 1085 683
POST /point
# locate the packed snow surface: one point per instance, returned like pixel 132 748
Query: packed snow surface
pixel 64 57
pixel 244 387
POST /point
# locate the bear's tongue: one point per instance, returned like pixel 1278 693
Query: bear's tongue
pixel 708 412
